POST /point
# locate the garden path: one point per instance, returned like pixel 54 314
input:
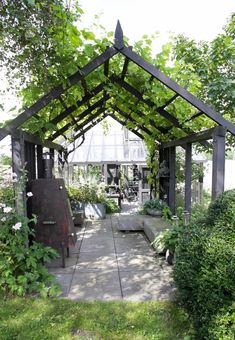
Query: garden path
pixel 107 264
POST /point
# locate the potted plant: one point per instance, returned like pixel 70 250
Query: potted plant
pixel 91 201
pixel 154 207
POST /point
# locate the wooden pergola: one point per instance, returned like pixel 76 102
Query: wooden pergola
pixel 27 148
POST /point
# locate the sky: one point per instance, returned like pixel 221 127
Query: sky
pixel 200 19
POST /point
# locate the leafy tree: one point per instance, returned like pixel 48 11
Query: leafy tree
pixel 213 62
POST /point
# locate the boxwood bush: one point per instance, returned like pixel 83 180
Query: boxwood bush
pixel 204 271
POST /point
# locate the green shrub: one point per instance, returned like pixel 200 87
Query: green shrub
pixel 22 264
pixel 85 194
pixel 111 206
pixel 204 271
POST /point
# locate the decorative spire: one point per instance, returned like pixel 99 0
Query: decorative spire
pixel 118 41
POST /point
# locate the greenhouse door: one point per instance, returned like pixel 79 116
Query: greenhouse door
pixel 144 188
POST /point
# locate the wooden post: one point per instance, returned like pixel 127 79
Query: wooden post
pixel 164 178
pixel 39 150
pixel 30 166
pixel 188 177
pixel 218 161
pixel 172 182
pixel 18 163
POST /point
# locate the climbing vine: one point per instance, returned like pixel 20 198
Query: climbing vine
pixel 42 44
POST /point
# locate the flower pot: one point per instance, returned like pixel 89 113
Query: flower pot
pixel 154 212
pixel 78 217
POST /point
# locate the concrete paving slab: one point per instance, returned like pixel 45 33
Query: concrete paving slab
pixel 137 262
pixel 107 264
pixel 64 281
pixel 145 285
pixel 103 286
pixel 98 244
pixel 131 241
pixel 55 267
pixel 96 261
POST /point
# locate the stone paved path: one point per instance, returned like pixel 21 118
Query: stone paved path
pixel 107 264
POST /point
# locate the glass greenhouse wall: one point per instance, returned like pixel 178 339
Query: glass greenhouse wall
pixel 109 142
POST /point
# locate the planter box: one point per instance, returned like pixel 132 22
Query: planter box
pixel 95 211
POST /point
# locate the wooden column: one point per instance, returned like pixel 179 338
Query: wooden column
pixel 39 150
pixel 164 173
pixel 18 162
pixel 30 161
pixel 172 182
pixel 218 161
pixel 52 153
pixel 188 177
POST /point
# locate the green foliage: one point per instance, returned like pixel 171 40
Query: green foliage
pixel 21 263
pixel 168 239
pixel 213 63
pixel 204 271
pixel 111 206
pixel 85 194
pixel 154 204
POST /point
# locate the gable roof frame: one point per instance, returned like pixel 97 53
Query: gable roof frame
pixel 103 59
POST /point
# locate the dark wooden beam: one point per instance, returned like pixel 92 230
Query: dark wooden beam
pixel 125 68
pixel 198 114
pixel 57 91
pixel 30 160
pixel 128 117
pixel 118 36
pixel 89 119
pixel 218 170
pixel 194 138
pixel 179 90
pixel 151 104
pixel 78 104
pixel 169 101
pixel 172 179
pixel 106 68
pixel 81 116
pixel 34 139
pixel 188 177
pixel 148 102
pixel 87 128
pixel 123 124
pixel 39 151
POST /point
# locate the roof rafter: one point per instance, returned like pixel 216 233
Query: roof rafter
pixel 123 124
pixel 182 92
pixel 81 116
pixel 128 117
pixel 90 126
pixel 57 91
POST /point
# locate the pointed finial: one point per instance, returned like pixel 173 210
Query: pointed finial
pixel 118 41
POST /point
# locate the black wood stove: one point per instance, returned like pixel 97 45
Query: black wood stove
pixel 51 205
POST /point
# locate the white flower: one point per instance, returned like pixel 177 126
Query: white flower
pixel 2 205
pixel 29 194
pixel 7 210
pixel 17 226
pixel 13 175
pixel 3 219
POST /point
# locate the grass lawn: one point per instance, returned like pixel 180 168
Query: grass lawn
pixel 27 318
